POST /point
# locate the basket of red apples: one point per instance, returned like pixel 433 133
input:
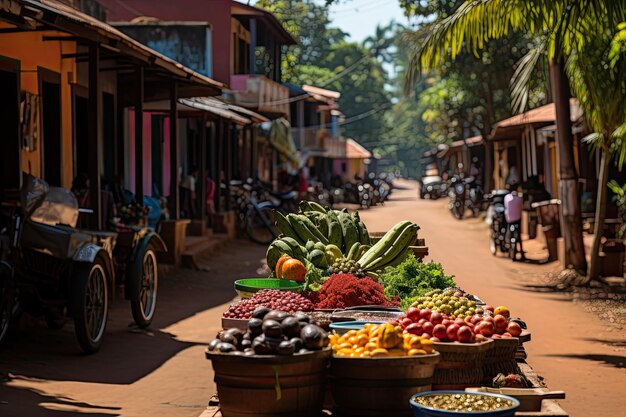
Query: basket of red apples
pixel 462 349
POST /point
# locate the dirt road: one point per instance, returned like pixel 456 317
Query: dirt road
pixel 571 349
pixel 163 372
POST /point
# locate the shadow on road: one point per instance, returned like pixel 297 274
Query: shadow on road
pixel 30 402
pixel 613 360
pixel 127 354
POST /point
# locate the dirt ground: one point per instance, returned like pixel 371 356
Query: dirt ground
pixel 573 349
pixel 163 372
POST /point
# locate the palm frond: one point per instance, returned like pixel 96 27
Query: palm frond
pixel 521 80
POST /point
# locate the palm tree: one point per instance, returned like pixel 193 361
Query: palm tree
pixel 600 87
pixel 564 26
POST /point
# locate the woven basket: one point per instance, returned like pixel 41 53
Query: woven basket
pixel 500 358
pixel 461 364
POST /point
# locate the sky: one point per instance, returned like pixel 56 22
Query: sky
pixel 359 18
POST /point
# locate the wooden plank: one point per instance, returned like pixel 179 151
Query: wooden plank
pixel 92 136
pixel 174 150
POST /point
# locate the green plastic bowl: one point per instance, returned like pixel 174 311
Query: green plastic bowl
pixel 247 287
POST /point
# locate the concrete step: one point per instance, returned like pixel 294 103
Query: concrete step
pixel 197 247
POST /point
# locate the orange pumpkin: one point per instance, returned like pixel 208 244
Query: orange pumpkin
pixel 293 269
pixel 279 265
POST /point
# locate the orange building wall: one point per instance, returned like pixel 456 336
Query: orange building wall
pixel 32 51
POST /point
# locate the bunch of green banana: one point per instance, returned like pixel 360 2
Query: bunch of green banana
pixel 314 252
pixel 340 228
pixel 391 249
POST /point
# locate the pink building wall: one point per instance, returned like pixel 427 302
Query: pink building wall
pixel 215 12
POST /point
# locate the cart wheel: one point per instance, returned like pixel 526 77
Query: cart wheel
pixel 7 299
pixel 144 306
pixel 90 304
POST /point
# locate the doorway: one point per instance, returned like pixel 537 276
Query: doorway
pixel 10 157
pixel 79 130
pixel 108 137
pixel 50 92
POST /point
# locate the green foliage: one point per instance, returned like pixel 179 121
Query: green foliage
pixel 412 279
pixel 620 201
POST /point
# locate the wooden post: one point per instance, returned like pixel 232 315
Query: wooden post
pixel 571 222
pixel 228 168
pixel 488 167
pixel 219 158
pixel 253 42
pixel 254 171
pixel 202 134
pixel 174 149
pixel 139 191
pixel 92 138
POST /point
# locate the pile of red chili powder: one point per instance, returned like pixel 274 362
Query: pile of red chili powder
pixel 346 290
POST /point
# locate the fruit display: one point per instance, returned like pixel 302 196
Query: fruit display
pixel 324 236
pixel 291 269
pixel 450 302
pixel 272 332
pixel 346 290
pixel 464 402
pixel 288 301
pixel 437 326
pixel 374 341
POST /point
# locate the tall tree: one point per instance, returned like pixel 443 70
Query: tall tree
pixel 560 21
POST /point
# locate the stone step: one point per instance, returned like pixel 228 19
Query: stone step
pixel 197 247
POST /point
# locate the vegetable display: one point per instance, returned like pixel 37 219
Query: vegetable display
pixel 273 299
pixel 412 279
pixel 379 341
pixel 346 290
pixel 326 237
pixel 449 302
pixel 272 332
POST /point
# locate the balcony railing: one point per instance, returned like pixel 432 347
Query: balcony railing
pixel 260 93
pixel 319 140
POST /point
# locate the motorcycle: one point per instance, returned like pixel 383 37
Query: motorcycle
pixel 457 195
pixel 476 199
pixel 499 227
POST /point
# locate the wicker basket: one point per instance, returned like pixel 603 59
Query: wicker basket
pixel 461 364
pixel 500 358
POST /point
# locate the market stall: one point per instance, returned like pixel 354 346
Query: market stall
pixel 355 323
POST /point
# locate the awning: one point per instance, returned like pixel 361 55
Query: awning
pixel 67 19
pixel 214 106
pixel 354 150
pixel 512 127
pixel 473 141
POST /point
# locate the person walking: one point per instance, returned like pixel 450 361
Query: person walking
pixel 513 205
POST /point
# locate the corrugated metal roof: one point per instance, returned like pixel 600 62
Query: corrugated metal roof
pixel 212 105
pixel 474 140
pixel 543 114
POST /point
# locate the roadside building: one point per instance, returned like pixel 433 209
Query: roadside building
pixel 76 89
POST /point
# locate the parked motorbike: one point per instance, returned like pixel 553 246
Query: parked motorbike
pixel 358 193
pixel 457 195
pixel 476 199
pixel 254 204
pixel 498 240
